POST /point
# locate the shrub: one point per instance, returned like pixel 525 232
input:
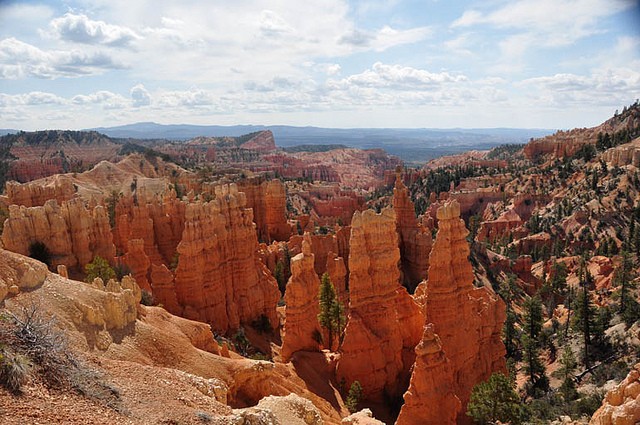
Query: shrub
pixel 14 370
pixel 147 298
pixel 99 267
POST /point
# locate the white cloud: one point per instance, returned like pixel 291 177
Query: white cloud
pixel 397 77
pixel 604 87
pixel 30 99
pixel 140 95
pixel 562 21
pixel 81 29
pixel 20 60
pixel 107 99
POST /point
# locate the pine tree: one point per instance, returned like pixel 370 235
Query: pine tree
pixel 532 327
pixel 584 312
pixel 331 316
pixel 99 267
pixel 510 334
pixel 623 279
pixel 354 397
pixel 568 365
pixel 495 400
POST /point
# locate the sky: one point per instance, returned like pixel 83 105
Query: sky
pixel 331 63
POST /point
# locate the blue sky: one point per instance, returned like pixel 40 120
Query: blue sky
pixel 331 63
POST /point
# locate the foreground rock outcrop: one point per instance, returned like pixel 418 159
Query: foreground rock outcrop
pixel 72 232
pixel 621 405
pixel 301 329
pixel 468 320
pixel 430 399
pixel 384 323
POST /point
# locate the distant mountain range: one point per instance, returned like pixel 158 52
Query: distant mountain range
pixel 412 145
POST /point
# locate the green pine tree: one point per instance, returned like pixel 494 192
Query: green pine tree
pixel 331 316
pixel 354 397
pixel 99 267
pixel 531 343
pixel 495 400
pixel 568 365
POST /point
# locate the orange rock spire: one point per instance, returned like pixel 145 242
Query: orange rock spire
pixel 384 323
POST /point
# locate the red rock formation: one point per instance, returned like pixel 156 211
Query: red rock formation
pixel 268 200
pixel 73 233
pixel 430 399
pixel 137 262
pixel 156 219
pixel 468 320
pixel 163 287
pixel 338 274
pixel 621 405
pixel 321 246
pixel 415 241
pixel 220 278
pixel 384 323
pixel 35 194
pixel 493 230
pixel 301 298
pixel 261 142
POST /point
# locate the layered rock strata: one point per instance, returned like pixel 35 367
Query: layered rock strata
pixel 301 327
pixel 468 320
pixel 430 399
pixel 219 277
pixel 268 200
pixel 72 232
pixel 384 323
pixel 414 240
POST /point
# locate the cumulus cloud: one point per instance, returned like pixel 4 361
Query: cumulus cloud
pixel 31 99
pixel 397 77
pixel 81 29
pixel 606 87
pixel 20 60
pixel 140 96
pixel 107 99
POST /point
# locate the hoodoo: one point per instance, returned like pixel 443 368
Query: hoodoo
pixel 384 324
pixel 467 319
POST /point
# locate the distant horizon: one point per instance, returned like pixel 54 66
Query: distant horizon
pixel 289 125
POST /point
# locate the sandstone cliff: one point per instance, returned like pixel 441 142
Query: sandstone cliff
pixel 621 405
pixel 384 323
pixel 72 232
pixel 468 320
pixel 34 194
pixel 414 240
pixel 301 297
pixel 268 200
pixel 430 399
